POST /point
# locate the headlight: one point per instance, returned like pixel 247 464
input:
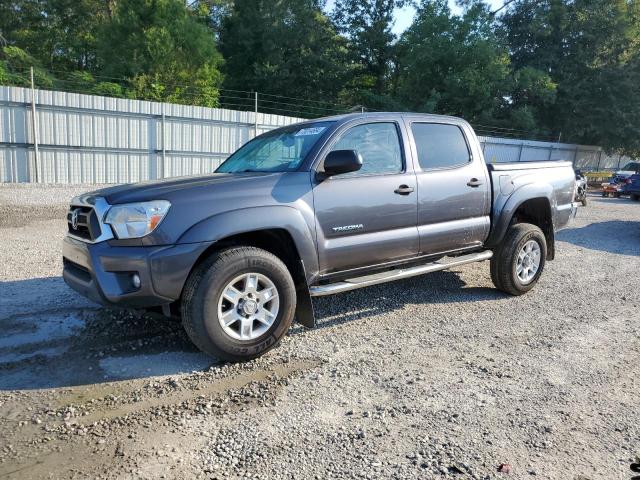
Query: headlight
pixel 135 220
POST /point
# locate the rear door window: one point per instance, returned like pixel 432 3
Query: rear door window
pixel 440 145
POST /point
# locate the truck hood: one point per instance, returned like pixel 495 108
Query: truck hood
pixel 198 198
pixel 168 188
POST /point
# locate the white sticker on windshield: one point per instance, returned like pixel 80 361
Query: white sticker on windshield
pixel 310 131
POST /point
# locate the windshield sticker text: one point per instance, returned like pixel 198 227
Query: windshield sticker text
pixel 310 131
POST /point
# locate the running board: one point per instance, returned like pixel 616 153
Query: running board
pixel 368 280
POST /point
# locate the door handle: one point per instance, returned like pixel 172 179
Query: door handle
pixel 474 182
pixel 403 190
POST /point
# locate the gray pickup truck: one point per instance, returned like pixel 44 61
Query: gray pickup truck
pixel 312 209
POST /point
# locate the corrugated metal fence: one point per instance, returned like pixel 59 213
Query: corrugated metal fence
pixel 584 157
pixel 93 139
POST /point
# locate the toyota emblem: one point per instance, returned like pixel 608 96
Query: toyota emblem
pixel 74 218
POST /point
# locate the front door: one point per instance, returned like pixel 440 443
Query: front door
pixel 454 191
pixel 369 216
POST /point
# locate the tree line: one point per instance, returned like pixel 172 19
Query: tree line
pixel 555 69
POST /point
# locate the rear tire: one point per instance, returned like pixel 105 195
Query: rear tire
pixel 518 263
pixel 238 304
pixel 635 197
pixel 581 196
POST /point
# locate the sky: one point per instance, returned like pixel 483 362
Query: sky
pixel 404 16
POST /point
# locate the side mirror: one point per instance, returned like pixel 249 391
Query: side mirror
pixel 342 161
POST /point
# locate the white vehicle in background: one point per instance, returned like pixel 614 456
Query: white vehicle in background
pixel 629 169
pixel 581 188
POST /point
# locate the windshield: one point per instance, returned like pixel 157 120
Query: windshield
pixel 279 151
pixel 631 167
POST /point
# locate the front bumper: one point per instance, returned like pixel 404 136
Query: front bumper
pixel 104 273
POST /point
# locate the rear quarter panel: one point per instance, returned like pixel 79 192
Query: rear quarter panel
pixel 515 183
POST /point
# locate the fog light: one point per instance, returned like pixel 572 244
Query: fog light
pixel 135 280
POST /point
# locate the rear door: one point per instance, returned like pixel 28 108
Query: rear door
pixel 454 191
pixel 367 217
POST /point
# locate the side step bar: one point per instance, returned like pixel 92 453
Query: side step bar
pixel 368 280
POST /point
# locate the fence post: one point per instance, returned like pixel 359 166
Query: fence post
pixel 619 160
pixel 599 158
pixel 255 127
pixel 34 126
pixel 15 178
pixel 164 144
pixel 520 151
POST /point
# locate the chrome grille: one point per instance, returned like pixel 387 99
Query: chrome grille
pixel 89 212
pixel 82 222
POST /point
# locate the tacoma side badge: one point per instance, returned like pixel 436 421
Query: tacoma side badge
pixel 348 228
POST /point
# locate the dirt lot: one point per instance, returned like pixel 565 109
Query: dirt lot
pixel 436 377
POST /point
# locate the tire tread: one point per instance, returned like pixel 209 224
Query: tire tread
pixel 502 260
pixel 217 260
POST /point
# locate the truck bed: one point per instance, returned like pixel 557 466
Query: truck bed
pixel 532 165
pixel 514 181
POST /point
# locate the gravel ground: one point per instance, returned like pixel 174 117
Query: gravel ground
pixel 440 376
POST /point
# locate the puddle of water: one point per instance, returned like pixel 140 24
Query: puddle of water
pixel 39 337
pixel 207 388
pixel 166 363
pixel 41 328
pixel 45 352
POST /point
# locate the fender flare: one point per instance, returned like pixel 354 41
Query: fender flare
pixel 523 194
pixel 246 220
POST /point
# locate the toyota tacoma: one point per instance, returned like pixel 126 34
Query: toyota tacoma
pixel 311 209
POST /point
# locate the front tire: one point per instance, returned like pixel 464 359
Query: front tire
pixel 518 263
pixel 238 304
pixel 582 196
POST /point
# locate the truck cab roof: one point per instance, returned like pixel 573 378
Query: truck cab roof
pixel 391 116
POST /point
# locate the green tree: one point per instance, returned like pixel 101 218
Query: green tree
pixel 367 25
pixel 532 94
pixel 588 49
pixel 283 47
pixel 164 49
pixel 16 63
pixel 213 12
pixel 85 82
pixel 453 64
pixel 60 34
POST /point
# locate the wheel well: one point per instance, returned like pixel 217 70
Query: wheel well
pixel 277 241
pixel 537 211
